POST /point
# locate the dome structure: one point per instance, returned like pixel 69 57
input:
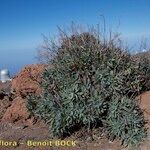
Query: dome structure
pixel 4 75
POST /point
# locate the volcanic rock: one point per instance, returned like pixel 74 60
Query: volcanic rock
pixel 27 81
pixel 17 111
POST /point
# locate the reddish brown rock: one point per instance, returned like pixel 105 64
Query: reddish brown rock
pixel 5 99
pixel 4 104
pixel 27 81
pixel 145 105
pixel 17 111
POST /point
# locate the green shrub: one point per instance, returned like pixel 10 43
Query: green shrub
pixel 80 85
pixel 143 62
pixel 126 121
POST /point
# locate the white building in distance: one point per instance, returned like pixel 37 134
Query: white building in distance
pixel 4 75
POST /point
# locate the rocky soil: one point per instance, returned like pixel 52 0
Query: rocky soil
pixel 16 124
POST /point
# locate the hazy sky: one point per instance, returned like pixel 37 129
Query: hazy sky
pixel 23 21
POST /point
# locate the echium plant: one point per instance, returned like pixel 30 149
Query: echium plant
pixel 89 83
